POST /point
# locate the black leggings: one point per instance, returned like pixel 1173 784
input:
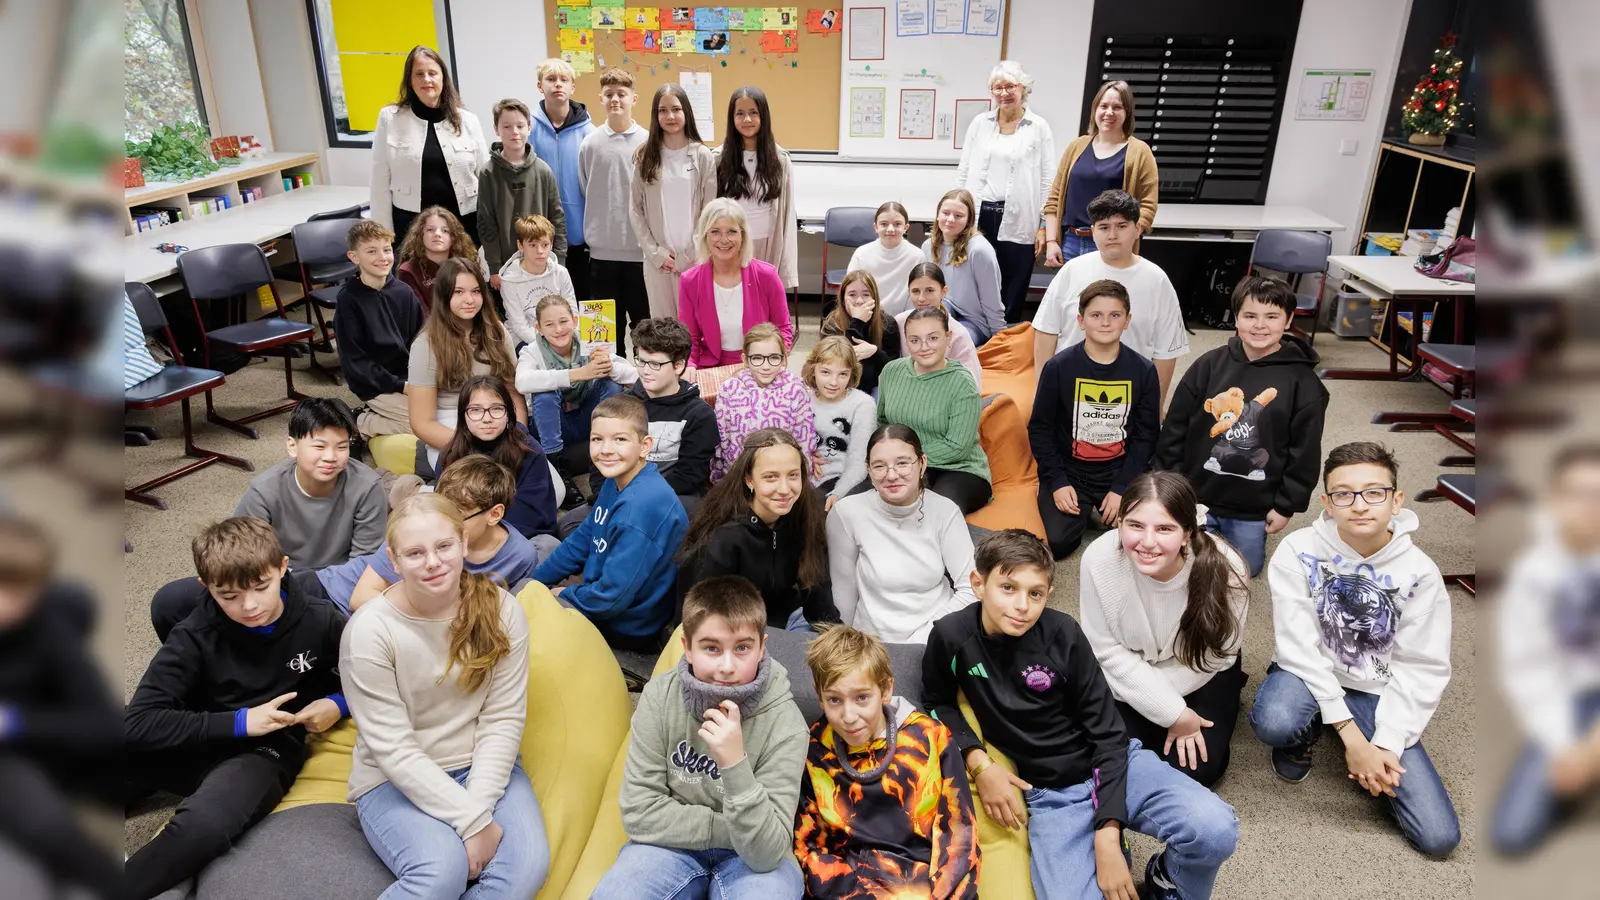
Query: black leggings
pixel 1217 701
pixel 968 491
pixel 38 819
pixel 1015 261
pixel 623 282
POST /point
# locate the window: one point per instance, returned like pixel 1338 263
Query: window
pixel 160 80
pixel 361 48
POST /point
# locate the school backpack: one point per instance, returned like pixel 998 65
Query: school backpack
pixel 1210 292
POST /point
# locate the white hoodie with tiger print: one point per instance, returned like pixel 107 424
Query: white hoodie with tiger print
pixel 1378 624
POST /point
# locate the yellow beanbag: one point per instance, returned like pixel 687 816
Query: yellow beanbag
pixel 578 714
pixel 1004 870
pixel 395 452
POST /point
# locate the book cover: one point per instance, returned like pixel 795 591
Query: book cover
pixel 597 321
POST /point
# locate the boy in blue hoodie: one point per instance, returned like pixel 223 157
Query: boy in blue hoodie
pixel 625 548
pixel 559 126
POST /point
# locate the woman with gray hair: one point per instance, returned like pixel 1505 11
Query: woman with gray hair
pixel 731 292
pixel 1006 164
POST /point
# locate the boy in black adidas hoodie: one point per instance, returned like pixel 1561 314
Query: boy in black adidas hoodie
pixel 1245 424
pixel 222 712
pixel 1038 694
pixel 683 425
pixel 377 318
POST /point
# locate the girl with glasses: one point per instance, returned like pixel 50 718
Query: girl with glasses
pixel 435 671
pixel 565 380
pixel 485 427
pixel 901 555
pixel 764 394
pixel 934 396
pixel 926 289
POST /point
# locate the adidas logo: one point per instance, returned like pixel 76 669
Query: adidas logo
pixel 978 671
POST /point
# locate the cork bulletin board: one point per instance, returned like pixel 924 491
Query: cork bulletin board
pixel 790 52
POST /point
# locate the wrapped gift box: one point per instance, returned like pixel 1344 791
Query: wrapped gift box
pixel 132 173
pixel 225 147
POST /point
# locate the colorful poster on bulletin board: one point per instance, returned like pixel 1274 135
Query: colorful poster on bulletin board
pixel 712 42
pixel 578 3
pixel 739 20
pixel 824 21
pixel 641 41
pixel 780 42
pixel 677 17
pixel 572 17
pixel 614 4
pixel 577 39
pixel 607 18
pixel 581 61
pixel 648 17
pixel 782 18
pixel 710 18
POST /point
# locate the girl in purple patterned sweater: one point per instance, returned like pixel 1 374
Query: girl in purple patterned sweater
pixel 764 395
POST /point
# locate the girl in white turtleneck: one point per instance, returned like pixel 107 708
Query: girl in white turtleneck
pixel 1163 605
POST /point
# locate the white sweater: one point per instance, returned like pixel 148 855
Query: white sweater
pixel 414 722
pixel 891 269
pixel 843 427
pixel 522 291
pixel 1379 624
pixel 1542 671
pixel 1131 621
pixel 893 566
pixel 397 144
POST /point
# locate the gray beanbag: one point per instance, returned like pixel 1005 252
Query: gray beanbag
pixel 306 853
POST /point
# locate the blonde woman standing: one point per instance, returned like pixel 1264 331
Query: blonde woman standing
pixel 675 175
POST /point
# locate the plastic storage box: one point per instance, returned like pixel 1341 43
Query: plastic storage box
pixel 1352 314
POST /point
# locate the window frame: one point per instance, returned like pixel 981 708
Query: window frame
pixel 199 65
pixel 331 131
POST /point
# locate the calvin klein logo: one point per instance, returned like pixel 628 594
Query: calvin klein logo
pixel 302 662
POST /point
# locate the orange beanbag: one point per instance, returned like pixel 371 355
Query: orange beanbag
pixel 1007 362
pixel 1003 433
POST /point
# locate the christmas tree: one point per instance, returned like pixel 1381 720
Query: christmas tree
pixel 1432 107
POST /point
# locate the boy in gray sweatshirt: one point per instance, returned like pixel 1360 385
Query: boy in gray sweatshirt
pixel 712 780
pixel 605 170
pixel 516 183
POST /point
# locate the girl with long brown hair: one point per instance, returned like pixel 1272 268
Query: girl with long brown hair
pixel 859 317
pixel 675 177
pixel 464 337
pixel 435 671
pixel 1163 603
pixel 427 149
pixel 435 235
pixel 755 171
pixel 971 269
pixel 765 521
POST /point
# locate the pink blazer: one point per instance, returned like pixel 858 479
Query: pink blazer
pixel 764 301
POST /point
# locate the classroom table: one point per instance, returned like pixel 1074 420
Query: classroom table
pixel 1395 279
pixel 253 223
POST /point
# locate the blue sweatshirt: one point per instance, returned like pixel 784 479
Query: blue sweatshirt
pixel 625 549
pixel 558 147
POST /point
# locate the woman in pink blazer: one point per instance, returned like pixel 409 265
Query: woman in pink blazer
pixel 731 292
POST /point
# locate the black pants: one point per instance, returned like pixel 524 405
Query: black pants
pixel 623 282
pixel 1016 261
pixel 968 491
pixel 402 224
pixel 1218 702
pixel 1064 531
pixel 224 794
pixel 176 599
pixel 578 268
pixel 38 819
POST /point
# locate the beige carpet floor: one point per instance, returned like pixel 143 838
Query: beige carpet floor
pixel 1319 838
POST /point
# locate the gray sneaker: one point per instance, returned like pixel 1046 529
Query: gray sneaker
pixel 1292 763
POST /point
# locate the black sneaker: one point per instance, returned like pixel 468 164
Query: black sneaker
pixel 1292 763
pixel 1157 886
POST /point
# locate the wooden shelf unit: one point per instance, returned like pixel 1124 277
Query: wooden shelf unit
pixel 267 173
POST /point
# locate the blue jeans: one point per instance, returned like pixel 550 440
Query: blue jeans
pixel 1286 715
pixel 1073 246
pixel 1199 829
pixel 429 860
pixel 1248 536
pixel 555 427
pixel 1529 807
pixel 648 872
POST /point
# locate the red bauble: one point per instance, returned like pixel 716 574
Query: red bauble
pixel 1433 68
pixel 1439 106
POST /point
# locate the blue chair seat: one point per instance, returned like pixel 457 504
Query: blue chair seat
pixel 1462 490
pixel 836 276
pixel 169 384
pixel 330 272
pixel 1465 408
pixel 326 297
pixel 249 337
pixel 1461 358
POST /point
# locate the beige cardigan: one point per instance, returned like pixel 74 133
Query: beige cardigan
pixel 647 216
pixel 780 249
pixel 1139 178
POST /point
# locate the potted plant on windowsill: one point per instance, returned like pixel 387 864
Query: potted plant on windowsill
pixel 1430 113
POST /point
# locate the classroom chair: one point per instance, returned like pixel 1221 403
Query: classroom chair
pixel 349 212
pixel 1459 362
pixel 175 383
pixel 236 272
pixel 321 246
pixel 1295 253
pixel 1462 490
pixel 1466 410
pixel 843 226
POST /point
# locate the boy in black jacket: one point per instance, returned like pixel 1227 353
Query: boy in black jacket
pixel 1245 424
pixel 683 425
pixel 377 318
pixel 222 712
pixel 1040 698
pixel 1095 420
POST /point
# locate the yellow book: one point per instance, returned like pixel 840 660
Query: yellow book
pixel 597 322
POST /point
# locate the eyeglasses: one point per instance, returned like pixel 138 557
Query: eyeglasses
pixel 903 468
pixel 446 549
pixel 495 413
pixel 651 364
pixel 933 340
pixel 1004 88
pixel 1373 496
pixel 765 359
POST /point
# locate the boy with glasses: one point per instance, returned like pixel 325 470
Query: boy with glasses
pixel 1361 620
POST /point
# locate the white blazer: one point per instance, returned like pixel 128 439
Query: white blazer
pixel 397 162
pixel 1028 181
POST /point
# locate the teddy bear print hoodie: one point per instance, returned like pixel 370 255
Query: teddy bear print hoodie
pixel 1378 624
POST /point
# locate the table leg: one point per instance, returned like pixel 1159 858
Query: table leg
pixel 1393 373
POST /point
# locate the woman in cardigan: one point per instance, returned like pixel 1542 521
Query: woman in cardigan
pixel 674 176
pixel 1163 604
pixel 1006 163
pixel 731 292
pixel 937 398
pixel 427 150
pixel 1116 159
pixel 754 170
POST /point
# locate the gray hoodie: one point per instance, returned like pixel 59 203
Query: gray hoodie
pixel 675 795
pixel 508 191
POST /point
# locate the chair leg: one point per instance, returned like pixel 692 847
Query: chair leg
pixel 1428 496
pixel 217 418
pixel 141 493
pixel 1458 462
pixel 1468 583
pixel 331 373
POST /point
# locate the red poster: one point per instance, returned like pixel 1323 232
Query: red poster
pixel 780 42
pixel 824 21
pixel 648 41
pixel 677 18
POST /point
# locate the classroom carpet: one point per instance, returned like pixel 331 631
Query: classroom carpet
pixel 1295 841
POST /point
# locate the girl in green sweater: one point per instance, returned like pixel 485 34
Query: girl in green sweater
pixel 938 400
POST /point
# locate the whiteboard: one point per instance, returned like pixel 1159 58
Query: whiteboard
pixel 930 59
